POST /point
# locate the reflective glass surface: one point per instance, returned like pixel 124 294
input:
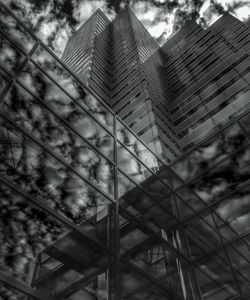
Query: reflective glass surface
pixel 92 213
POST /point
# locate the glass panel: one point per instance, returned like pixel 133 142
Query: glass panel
pixel 198 160
pixel 190 199
pixel 97 289
pixel 202 237
pixel 210 152
pixel 224 178
pixel 8 293
pixel 143 201
pixel 234 210
pixel 245 123
pixel 140 246
pixel 124 185
pixel 31 167
pixel 139 174
pixel 75 282
pixel 66 108
pixel 212 286
pixel 28 231
pixel 137 148
pixel 169 177
pixel 3 80
pixel 46 264
pixel 240 258
pixel 45 126
pixel 183 208
pixel 48 63
pixel 82 266
pixel 181 280
pixel 10 57
pixel 195 245
pixel 221 225
pixel 15 31
pixel 131 282
pixel 153 292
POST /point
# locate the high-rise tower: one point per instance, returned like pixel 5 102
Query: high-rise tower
pixel 87 210
pixel 175 95
pixel 126 72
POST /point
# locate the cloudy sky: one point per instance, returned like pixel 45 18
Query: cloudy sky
pixel 28 230
pixel 55 20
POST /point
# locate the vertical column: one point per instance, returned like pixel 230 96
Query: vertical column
pixel 117 213
pixel 114 284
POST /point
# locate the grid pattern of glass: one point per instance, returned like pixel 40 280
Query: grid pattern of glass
pixel 89 212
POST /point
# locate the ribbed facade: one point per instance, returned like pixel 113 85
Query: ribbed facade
pixel 127 78
pixel 209 74
pixel 175 95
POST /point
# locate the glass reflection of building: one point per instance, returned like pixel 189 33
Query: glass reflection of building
pixel 88 210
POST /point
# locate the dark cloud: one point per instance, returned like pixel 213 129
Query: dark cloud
pixel 54 21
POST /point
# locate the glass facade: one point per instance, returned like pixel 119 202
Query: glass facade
pixel 88 211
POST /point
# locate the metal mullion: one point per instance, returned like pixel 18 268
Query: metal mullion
pixel 109 241
pixel 225 223
pixel 117 213
pixel 203 142
pixel 6 88
pixel 156 202
pixel 23 288
pixel 229 261
pixel 167 274
pixel 18 21
pixel 202 241
pixel 233 269
pixel 195 287
pixel 140 140
pixel 242 127
pixel 144 165
pixel 154 234
pixel 52 53
pixel 14 44
pixel 194 262
pixel 139 271
pixel 198 213
pixel 141 246
pixel 13 77
pixel 153 199
pixel 222 246
pixel 213 229
pixel 76 103
pixel 242 297
pixel 66 123
pixel 77 78
pixel 55 215
pixel 160 239
pixel 213 252
pixel 36 269
pixel 159 203
pixel 153 280
pixel 227 255
pixel 50 275
pixel 61 160
pixel 214 281
pixel 193 281
pixel 127 296
pixel 79 284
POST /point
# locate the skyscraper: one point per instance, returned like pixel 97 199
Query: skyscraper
pixel 175 95
pixel 87 209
